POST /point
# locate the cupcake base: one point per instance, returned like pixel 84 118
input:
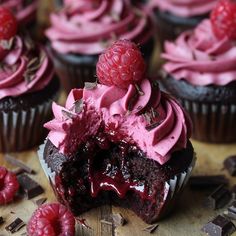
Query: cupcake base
pixel 74 69
pixel 22 118
pixel 119 175
pixel 211 108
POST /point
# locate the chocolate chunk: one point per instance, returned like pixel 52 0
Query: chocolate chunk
pixel 1 220
pixel 29 187
pixel 151 228
pixel 218 199
pixel 12 160
pixel 219 226
pixel 41 201
pixel 118 219
pixel 15 226
pixel 202 181
pixel 230 165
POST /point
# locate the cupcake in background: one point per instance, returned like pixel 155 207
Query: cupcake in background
pixel 200 70
pixel 174 17
pixel 27 87
pixel 83 29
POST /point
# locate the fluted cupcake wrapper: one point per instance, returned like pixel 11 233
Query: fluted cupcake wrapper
pixel 21 130
pixel 212 122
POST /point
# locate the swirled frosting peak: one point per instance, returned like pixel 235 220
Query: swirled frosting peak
pixel 184 8
pixel 201 58
pixel 24 10
pixel 153 121
pixel 24 67
pixel 88 27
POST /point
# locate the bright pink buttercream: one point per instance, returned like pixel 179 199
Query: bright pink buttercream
pixel 23 11
pixel 88 27
pixel 14 70
pixel 201 58
pixel 110 106
pixel 184 8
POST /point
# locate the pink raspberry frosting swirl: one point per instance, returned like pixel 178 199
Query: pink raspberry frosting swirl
pixel 22 9
pixel 156 123
pixel 200 58
pixel 24 69
pixel 184 8
pixel 89 26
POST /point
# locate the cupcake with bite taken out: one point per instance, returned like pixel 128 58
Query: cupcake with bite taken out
pixel 175 17
pixel 27 87
pixel 200 70
pixel 84 29
pixel 122 141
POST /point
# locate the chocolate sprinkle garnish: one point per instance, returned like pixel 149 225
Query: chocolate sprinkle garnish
pixel 151 228
pixel 1 220
pixel 118 219
pixel 230 165
pixel 219 226
pixel 29 187
pixel 152 126
pixel 15 226
pixel 132 101
pixel 218 199
pixel 89 85
pixel 41 201
pixel 67 114
pixel 207 181
pixel 13 161
pixel 139 90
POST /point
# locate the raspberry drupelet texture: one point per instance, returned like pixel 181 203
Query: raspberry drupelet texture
pixel 8 185
pixel 121 65
pixel 223 18
pixel 51 220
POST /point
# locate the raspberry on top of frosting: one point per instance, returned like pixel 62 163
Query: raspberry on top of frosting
pixel 87 27
pixel 200 57
pixel 143 116
pixel 184 8
pixel 24 66
pixel 24 10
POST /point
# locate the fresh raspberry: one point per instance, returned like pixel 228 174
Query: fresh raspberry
pixel 223 19
pixel 8 185
pixel 51 220
pixel 121 64
pixel 8 24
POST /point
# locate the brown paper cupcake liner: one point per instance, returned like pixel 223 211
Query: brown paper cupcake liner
pixel 173 187
pixel 212 122
pixel 21 130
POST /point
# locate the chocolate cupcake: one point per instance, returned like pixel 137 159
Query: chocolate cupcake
pixel 81 31
pixel 124 143
pixel 200 70
pixel 175 17
pixel 27 87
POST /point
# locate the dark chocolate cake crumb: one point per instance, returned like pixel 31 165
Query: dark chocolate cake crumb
pixel 15 226
pixel 201 181
pixel 218 199
pixel 219 226
pixel 151 228
pixel 41 201
pixel 12 160
pixel 118 219
pixel 29 187
pixel 1 220
pixel 230 165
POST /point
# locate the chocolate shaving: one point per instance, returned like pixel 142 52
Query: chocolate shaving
pixel 90 86
pixel 77 106
pixel 132 102
pixel 41 201
pixel 29 187
pixel 7 44
pixel 151 228
pixel 15 226
pixel 24 234
pixel 1 220
pixel 106 222
pixel 230 165
pixel 152 126
pixel 118 219
pixel 67 114
pixel 13 161
pixel 139 90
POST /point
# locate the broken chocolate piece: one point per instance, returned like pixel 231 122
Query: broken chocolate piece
pixel 230 165
pixel 118 219
pixel 17 163
pixel 41 201
pixel 151 228
pixel 232 211
pixel 29 187
pixel 202 181
pixel 219 226
pixel 218 199
pixel 1 220
pixel 15 226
